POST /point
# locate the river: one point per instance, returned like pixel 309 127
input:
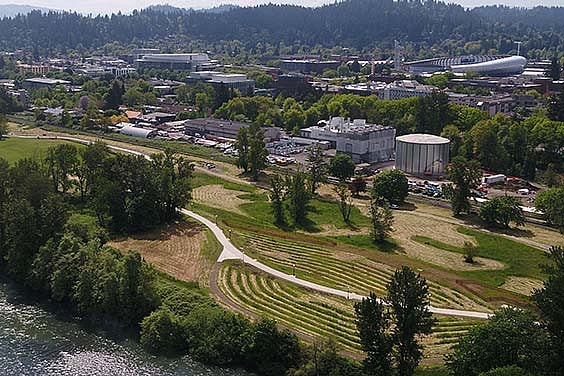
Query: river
pixel 36 341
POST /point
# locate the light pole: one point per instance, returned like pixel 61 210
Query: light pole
pixel 294 268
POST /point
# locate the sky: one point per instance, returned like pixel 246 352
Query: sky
pixel 110 6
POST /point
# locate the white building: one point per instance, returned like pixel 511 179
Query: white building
pixel 369 143
pixel 129 130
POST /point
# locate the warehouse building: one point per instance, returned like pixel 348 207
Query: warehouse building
pixel 223 128
pixel 422 154
pixel 130 130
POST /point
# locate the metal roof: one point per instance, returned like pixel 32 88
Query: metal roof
pixel 422 138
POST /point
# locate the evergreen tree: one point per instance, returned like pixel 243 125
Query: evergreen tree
pixel 277 197
pixel 3 127
pixel 373 324
pixel 243 149
pixel 298 197
pixel 113 98
pixel 550 302
pixel 408 296
pixel 555 69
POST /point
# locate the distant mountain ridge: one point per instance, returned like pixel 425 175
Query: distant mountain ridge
pixel 426 28
pixel 171 9
pixel 11 10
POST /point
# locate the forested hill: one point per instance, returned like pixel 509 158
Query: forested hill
pixel 360 24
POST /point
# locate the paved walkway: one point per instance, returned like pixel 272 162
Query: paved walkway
pixel 230 252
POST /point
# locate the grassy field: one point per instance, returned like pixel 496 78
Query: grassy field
pixel 318 315
pixel 520 259
pixel 14 149
pixel 185 250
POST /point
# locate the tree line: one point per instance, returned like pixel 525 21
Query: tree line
pixel 361 24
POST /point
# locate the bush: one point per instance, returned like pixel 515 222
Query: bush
pixel 162 333
pixel 215 336
pixel 502 211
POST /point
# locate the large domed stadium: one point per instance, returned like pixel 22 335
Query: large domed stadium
pixel 490 65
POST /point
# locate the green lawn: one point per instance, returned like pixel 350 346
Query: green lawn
pixel 200 179
pixel 322 214
pixel 521 260
pixel 14 149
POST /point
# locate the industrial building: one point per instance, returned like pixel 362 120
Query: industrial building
pixel 223 128
pixel 368 143
pixel 190 62
pixel 422 154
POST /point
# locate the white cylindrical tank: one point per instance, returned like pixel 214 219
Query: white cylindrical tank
pixel 422 154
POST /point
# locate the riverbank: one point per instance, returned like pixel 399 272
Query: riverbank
pixel 37 340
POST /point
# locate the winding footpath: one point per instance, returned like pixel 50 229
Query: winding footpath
pixel 230 252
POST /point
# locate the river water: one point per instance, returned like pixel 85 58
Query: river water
pixel 35 341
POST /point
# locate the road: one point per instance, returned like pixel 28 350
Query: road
pixel 230 252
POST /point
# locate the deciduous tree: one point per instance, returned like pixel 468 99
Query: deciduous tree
pixel 345 201
pixel 317 167
pixel 551 203
pixel 342 167
pixel 390 186
pixel 465 175
pixel 502 211
pixel 512 337
pixel 381 219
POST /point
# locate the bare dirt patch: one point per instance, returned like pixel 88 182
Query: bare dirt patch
pixel 407 225
pixel 521 285
pixel 175 249
pixel 219 197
